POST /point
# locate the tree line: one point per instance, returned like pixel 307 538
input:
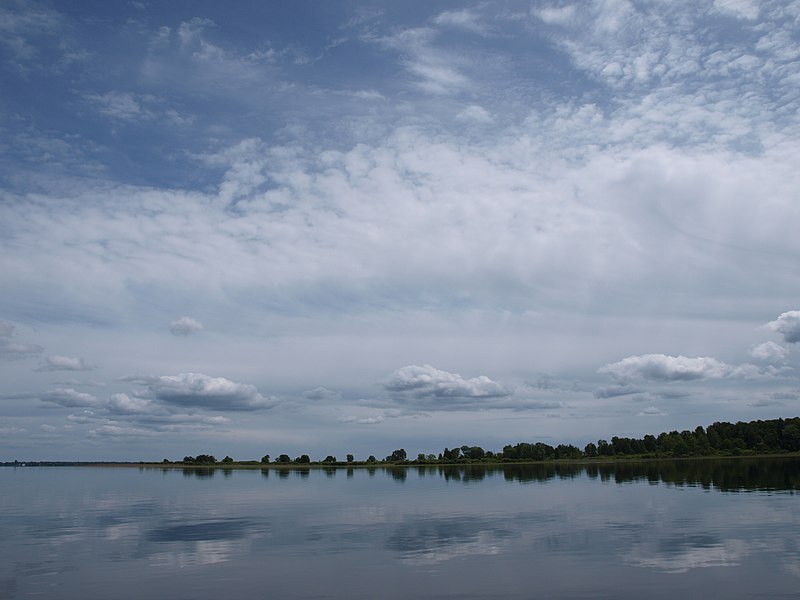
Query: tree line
pixel 775 436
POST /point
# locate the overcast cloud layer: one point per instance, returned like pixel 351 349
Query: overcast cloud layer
pixel 257 230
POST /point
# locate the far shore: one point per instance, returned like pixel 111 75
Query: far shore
pixel 253 465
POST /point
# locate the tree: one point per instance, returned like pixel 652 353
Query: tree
pixel 329 459
pixel 371 459
pixel 350 458
pixel 265 459
pixel 227 460
pixel 604 448
pixel 303 459
pixel 283 458
pixel 397 456
pixel 590 449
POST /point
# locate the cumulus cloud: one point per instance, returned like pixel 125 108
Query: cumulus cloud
pixel 321 393
pixel 10 349
pixel 124 404
pixel 69 398
pixel 184 326
pixel 213 393
pixel 427 384
pixel 56 362
pixel 788 325
pixel 770 352
pixel 661 367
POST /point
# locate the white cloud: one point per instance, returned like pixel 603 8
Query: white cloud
pixel 475 113
pixel 185 326
pixel 124 404
pixel 743 9
pixel 437 71
pixel 661 367
pixel 462 19
pixel 788 325
pixel 770 352
pixel 556 15
pixel 431 386
pixel 120 105
pixel 213 393
pixel 651 411
pixel 57 362
pixel 362 420
pixel 69 398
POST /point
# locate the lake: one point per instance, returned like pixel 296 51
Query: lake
pixel 691 529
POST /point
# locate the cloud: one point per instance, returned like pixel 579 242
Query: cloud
pixel 69 398
pixel 661 367
pixel 743 9
pixel 436 71
pixel 362 420
pixel 614 391
pixel 562 15
pixel 124 404
pixel 56 362
pixel 120 105
pixel 770 352
pixel 462 19
pixel 427 384
pixel 185 326
pixel 10 349
pixel 321 393
pixel 651 411
pixel 788 325
pixel 120 431
pixel 197 390
pixel 476 114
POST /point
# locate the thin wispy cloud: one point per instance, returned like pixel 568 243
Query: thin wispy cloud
pixel 58 362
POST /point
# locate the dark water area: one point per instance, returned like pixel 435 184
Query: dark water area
pixel 695 528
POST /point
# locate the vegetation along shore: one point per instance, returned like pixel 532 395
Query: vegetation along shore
pixel 721 439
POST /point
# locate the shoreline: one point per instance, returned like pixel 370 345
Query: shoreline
pixel 251 465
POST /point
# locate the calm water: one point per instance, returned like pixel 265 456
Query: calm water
pixel 691 529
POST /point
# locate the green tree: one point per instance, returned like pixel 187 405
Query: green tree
pixel 265 459
pixel 329 459
pixel 227 460
pixel 350 458
pixel 283 458
pixel 397 456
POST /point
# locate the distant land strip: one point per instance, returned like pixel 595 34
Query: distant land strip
pixel 721 439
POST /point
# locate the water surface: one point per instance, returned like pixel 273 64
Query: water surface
pixel 690 528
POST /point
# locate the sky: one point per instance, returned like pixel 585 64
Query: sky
pixel 350 227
